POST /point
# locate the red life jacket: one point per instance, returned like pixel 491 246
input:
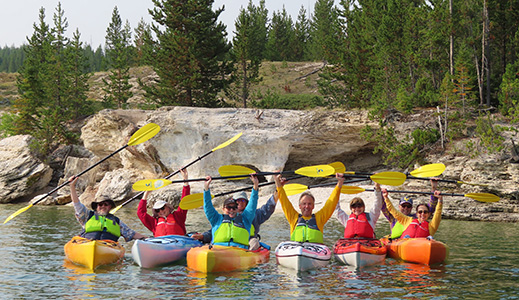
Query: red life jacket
pixel 358 226
pixel 169 226
pixel 417 230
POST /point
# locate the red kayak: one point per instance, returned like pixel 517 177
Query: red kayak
pixel 359 252
pixel 418 250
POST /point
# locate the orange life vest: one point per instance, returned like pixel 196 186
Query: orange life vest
pixel 358 226
pixel 169 226
pixel 416 230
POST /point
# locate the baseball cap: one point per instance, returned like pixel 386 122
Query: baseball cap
pixel 406 199
pixel 240 195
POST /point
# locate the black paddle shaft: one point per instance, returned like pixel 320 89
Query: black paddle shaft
pixel 80 173
pixel 169 176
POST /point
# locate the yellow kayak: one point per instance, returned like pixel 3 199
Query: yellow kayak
pixel 215 258
pixel 93 253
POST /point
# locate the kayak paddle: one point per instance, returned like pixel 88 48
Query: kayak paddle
pixel 311 171
pixel 481 197
pixel 222 145
pixel 145 133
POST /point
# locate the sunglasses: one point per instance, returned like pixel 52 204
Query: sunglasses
pixel 104 204
pixel 231 207
pixel 241 200
pixel 162 208
pixel 357 205
pixel 422 212
pixel 407 206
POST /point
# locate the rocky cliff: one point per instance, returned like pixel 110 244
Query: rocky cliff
pixel 272 140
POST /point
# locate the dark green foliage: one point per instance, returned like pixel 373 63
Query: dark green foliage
pixel 118 54
pixel 404 151
pixel 247 52
pixel 190 54
pixel 281 37
pixel 51 85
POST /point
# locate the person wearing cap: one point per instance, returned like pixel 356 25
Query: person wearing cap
pixel 308 226
pixel 231 228
pixel 417 226
pixel 165 220
pixel 262 215
pixel 99 223
pixel 360 224
pixel 406 206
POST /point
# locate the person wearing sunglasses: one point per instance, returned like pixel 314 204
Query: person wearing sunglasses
pixel 307 226
pixel 360 224
pixel 99 223
pixel 165 220
pixel 231 228
pixel 406 206
pixel 418 226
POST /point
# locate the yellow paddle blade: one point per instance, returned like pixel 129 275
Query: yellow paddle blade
pixel 316 171
pixel 483 197
pixel 145 133
pixel 21 210
pixel 150 184
pixel 294 188
pixel 192 201
pixel 430 170
pixel 228 142
pixel 351 189
pixel 338 166
pixel 389 178
pixel 113 211
pixel 231 170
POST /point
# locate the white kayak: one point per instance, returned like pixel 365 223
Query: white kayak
pixel 302 256
pixel 164 250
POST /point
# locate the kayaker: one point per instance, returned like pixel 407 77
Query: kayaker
pixel 360 224
pixel 99 223
pixel 231 228
pixel 415 227
pixel 406 206
pixel 165 220
pixel 262 214
pixel 308 226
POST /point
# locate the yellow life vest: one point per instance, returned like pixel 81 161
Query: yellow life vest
pixel 232 230
pixel 397 230
pixel 307 231
pixel 102 224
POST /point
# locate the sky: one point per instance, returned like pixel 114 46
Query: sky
pixel 92 17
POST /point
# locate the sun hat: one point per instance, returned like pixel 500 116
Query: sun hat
pixel 159 204
pixel 100 199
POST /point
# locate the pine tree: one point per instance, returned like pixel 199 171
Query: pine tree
pixel 281 37
pixel 118 53
pixel 302 36
pixel 325 31
pixel 143 43
pixel 191 54
pixel 78 65
pixel 248 43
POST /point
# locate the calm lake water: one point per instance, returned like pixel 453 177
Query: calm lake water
pixel 483 264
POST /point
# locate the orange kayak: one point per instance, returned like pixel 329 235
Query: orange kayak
pixel 93 253
pixel 359 252
pixel 215 258
pixel 418 250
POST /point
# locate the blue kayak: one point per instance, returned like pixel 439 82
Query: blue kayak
pixel 159 251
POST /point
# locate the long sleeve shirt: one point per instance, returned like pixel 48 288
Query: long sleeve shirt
pixel 374 213
pixel 215 218
pixel 321 217
pixel 150 222
pixel 392 220
pixel 406 220
pixel 82 217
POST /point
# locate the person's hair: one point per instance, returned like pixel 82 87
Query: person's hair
pixel 306 193
pixel 156 211
pixel 356 200
pixel 423 204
